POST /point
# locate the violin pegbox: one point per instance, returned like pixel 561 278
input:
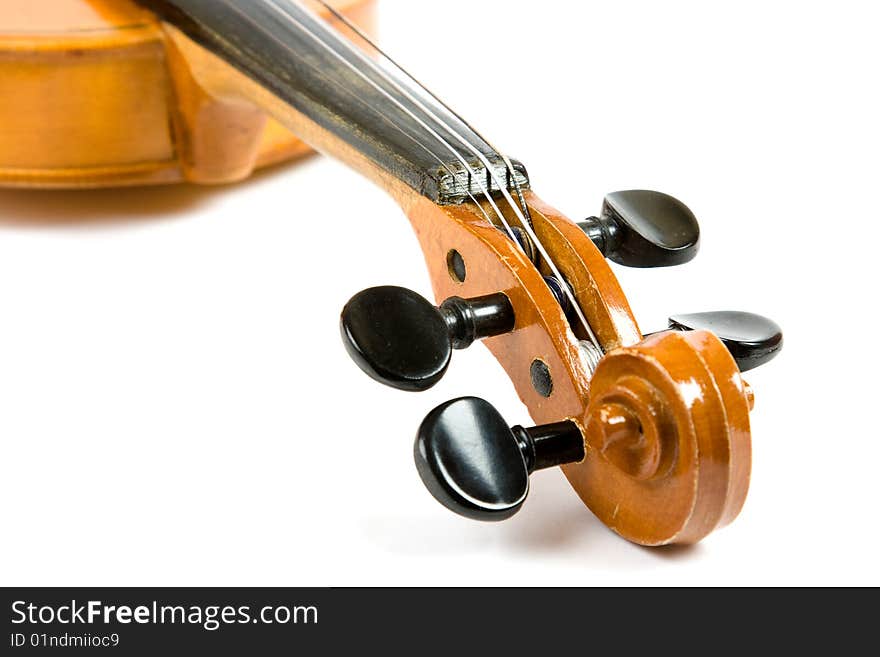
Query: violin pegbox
pixel 654 439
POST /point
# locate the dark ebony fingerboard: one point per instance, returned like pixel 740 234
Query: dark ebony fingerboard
pixel 307 64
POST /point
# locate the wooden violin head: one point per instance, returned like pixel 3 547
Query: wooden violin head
pixel 664 419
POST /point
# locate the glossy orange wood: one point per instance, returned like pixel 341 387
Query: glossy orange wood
pixel 92 95
pixel 668 433
pixel 665 419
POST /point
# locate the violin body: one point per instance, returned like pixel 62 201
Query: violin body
pixel 95 95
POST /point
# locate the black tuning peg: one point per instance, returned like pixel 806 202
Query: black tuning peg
pixel 644 229
pixel 751 339
pixel 473 463
pixel 401 339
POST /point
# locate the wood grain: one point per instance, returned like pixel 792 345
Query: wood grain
pixel 93 96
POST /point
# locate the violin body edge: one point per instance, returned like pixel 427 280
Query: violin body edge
pixel 107 101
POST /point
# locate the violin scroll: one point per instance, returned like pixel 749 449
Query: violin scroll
pixel 669 440
pixel 663 456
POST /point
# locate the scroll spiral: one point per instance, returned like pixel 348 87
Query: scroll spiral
pixel 667 431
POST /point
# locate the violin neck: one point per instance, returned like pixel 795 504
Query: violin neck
pixel 309 66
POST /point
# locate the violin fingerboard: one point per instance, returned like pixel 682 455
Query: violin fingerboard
pixel 307 64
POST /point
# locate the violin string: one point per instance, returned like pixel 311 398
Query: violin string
pixel 484 187
pixel 315 69
pixel 522 212
pixel 511 171
pixel 472 174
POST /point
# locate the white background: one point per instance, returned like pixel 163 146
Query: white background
pixel 176 407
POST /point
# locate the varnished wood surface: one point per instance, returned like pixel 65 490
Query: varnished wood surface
pixel 665 419
pixel 92 97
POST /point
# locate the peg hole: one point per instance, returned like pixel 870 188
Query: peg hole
pixel 542 381
pixel 457 267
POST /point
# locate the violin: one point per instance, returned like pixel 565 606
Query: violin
pixel 652 431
